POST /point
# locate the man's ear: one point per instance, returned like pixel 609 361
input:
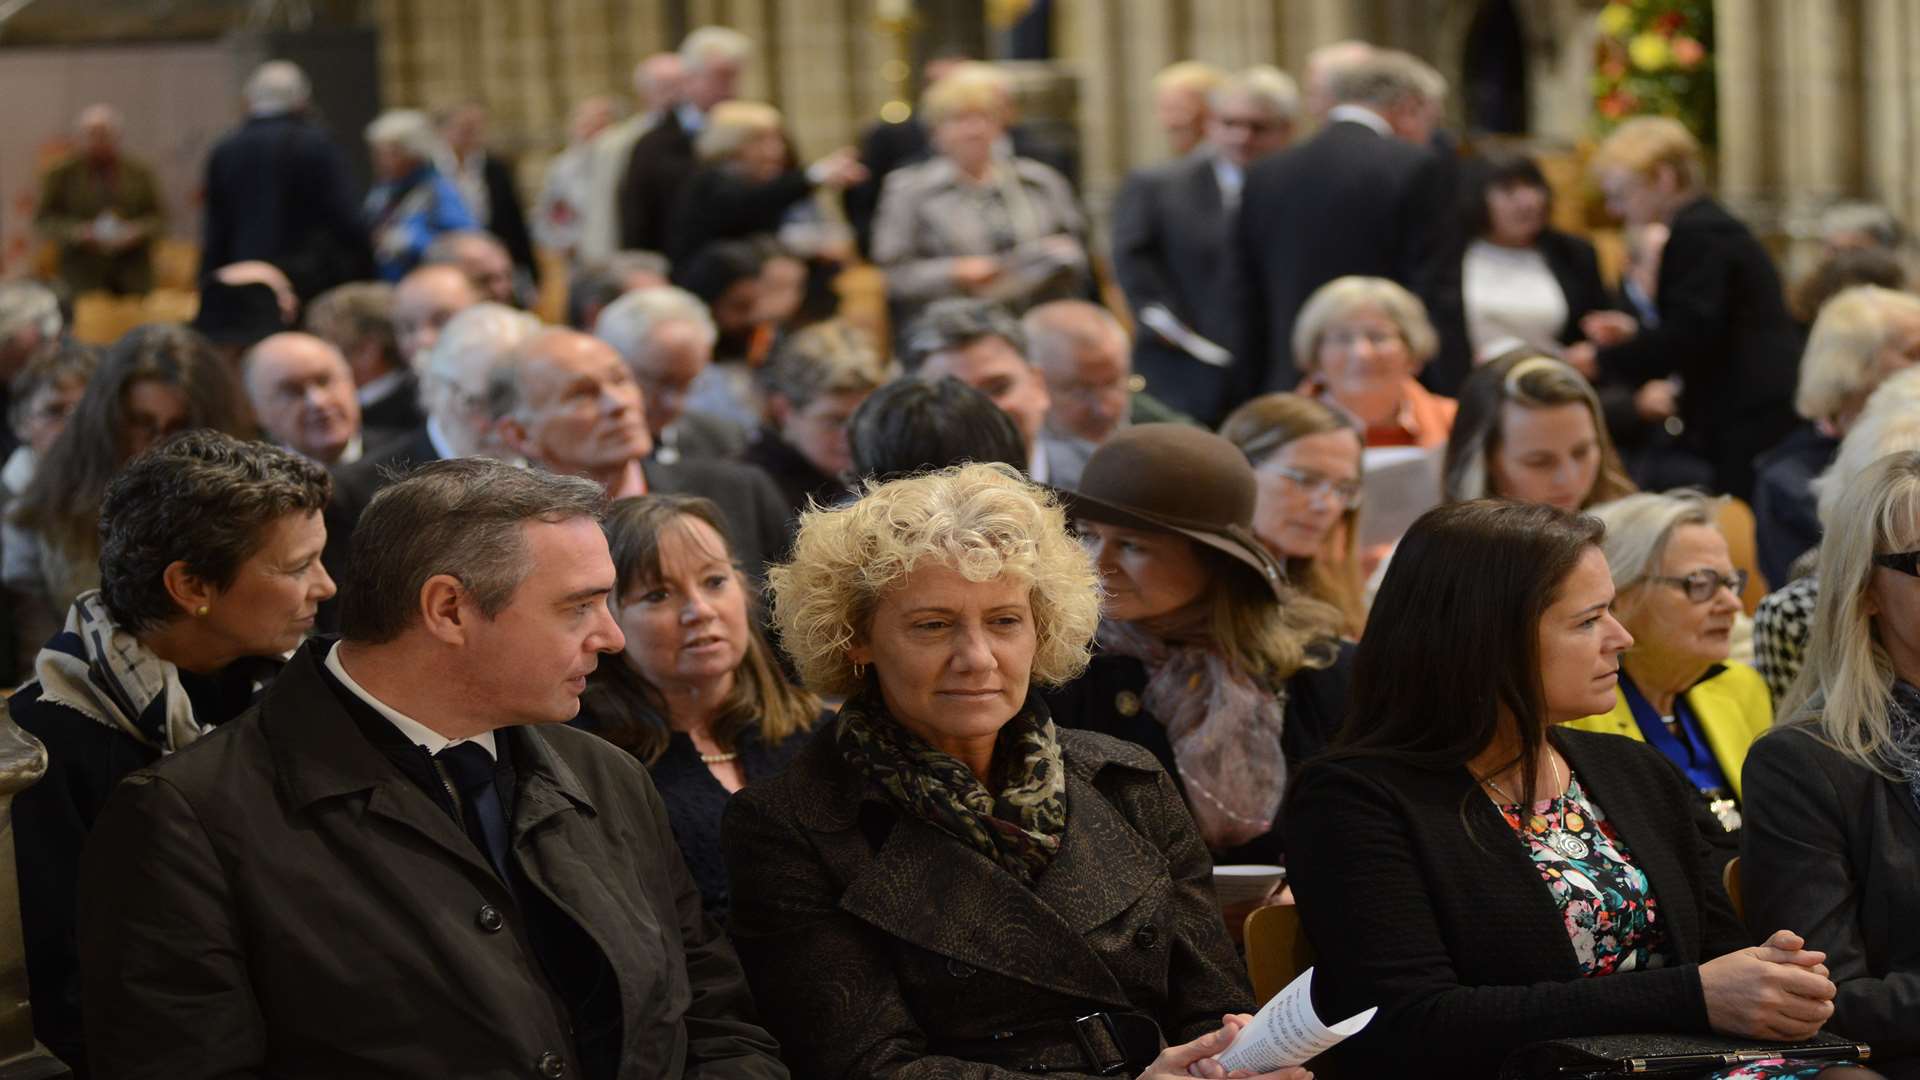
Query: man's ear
pixel 514 436
pixel 446 609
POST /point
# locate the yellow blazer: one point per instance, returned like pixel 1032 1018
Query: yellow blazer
pixel 1732 704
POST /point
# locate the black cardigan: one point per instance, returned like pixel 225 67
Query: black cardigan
pixel 1316 707
pixel 1831 851
pixel 1573 264
pixel 1455 936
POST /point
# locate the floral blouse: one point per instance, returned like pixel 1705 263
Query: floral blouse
pixel 1611 913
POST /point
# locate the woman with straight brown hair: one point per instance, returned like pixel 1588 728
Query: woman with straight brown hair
pixel 696 694
pixel 1306 462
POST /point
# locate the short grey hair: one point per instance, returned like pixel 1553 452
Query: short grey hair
pixel 1385 77
pixel 25 304
pixel 826 358
pixel 1840 362
pixel 204 498
pixel 1874 220
pixel 462 518
pixel 628 323
pixel 1273 90
pixel 459 367
pixel 446 248
pixel 409 129
pixel 347 316
pixel 710 43
pixel 1640 526
pixel 1889 424
pixel 945 325
pixel 1341 297
pixel 276 87
pixel 1056 329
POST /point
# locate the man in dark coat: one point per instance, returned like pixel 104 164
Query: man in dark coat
pixel 1170 225
pixel 278 190
pixel 1365 195
pixel 486 183
pixel 402 862
pixel 663 160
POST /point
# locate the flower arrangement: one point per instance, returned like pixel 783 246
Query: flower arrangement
pixel 1655 58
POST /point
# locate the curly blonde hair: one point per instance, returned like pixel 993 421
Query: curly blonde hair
pixel 983 521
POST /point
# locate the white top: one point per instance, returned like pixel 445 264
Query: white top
pixel 416 732
pixel 1510 293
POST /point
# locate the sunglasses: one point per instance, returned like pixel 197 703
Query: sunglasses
pixel 1702 585
pixel 1907 562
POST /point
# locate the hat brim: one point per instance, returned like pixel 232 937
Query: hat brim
pixel 1237 542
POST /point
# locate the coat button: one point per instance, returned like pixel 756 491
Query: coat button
pixel 490 919
pixel 959 970
pixel 1146 937
pixel 552 1066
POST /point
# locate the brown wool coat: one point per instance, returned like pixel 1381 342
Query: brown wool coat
pixel 879 946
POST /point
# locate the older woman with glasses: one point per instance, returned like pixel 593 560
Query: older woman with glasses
pixel 1678 594
pixel 1360 343
pixel 1306 464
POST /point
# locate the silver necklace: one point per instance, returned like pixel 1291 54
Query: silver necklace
pixel 1560 841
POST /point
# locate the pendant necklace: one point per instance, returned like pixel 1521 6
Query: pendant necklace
pixel 1558 840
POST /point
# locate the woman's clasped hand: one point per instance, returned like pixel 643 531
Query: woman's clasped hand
pixel 1778 991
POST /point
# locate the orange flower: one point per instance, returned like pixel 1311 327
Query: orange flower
pixel 1687 52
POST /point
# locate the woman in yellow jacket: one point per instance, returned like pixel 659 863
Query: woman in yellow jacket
pixel 1678 593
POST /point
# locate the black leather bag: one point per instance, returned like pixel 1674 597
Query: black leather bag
pixel 1663 1055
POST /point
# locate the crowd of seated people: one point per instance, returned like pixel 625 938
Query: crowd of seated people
pixel 721 682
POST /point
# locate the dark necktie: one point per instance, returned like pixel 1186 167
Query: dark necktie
pixel 470 768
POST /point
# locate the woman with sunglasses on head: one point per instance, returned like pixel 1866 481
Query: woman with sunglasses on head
pixel 1531 428
pixel 1833 828
pixel 1678 595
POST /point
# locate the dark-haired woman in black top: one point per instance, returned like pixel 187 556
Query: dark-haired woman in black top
pixel 1487 880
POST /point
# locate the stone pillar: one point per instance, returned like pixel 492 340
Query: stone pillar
pixel 22 762
pixel 1741 75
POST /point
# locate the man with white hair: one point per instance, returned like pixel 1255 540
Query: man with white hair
pixel 1081 350
pixel 412 202
pixel 666 338
pixel 1365 195
pixel 453 389
pixel 1171 225
pixel 29 321
pixel 568 403
pixel 278 190
pixel 301 391
pixel 1322 65
pixel 713 58
pixel 101 209
pixel 658 85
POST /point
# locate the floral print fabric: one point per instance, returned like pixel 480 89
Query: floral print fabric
pixel 1611 913
pixel 1776 1069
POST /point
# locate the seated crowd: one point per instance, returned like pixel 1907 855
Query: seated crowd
pixel 719 685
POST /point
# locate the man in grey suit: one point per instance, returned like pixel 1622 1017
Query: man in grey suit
pixel 1172 226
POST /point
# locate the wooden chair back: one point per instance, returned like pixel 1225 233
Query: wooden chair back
pixel 1277 950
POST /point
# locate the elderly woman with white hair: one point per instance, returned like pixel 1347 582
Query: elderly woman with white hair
pixel 748 183
pixel 945 883
pixel 974 221
pixel 1678 593
pixel 1833 829
pixel 1890 423
pixel 1862 335
pixel 412 201
pixel 1360 343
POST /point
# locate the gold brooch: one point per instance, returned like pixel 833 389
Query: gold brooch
pixel 1126 703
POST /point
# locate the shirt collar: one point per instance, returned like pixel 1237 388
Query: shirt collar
pixel 355 447
pixel 1360 114
pixel 416 732
pixel 1037 469
pixel 439 440
pixel 380 386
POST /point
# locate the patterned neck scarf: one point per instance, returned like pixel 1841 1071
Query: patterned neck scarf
pixel 1019 829
pixel 1905 735
pixel 1224 726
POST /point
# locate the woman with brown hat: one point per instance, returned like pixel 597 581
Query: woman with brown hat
pixel 1207 657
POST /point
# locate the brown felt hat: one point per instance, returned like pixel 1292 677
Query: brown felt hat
pixel 1176 478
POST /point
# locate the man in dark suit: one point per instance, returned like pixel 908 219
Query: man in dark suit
pixel 402 862
pixel 357 319
pixel 1171 224
pixel 567 402
pixel 277 190
pixel 713 58
pixel 486 182
pixel 1364 195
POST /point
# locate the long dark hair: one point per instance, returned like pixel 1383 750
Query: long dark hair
pixel 1492 169
pixel 1453 643
pixel 62 503
pixel 632 712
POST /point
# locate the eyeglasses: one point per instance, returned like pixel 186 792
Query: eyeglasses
pixel 1345 492
pixel 1907 562
pixel 1702 585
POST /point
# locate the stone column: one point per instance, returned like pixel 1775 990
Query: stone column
pixel 22 762
pixel 1742 76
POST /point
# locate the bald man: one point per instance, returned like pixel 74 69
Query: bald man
pixel 1084 356
pixel 101 209
pixel 302 393
pixel 423 302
